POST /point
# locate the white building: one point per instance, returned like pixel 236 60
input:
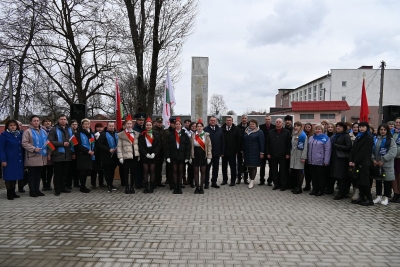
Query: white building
pixel 346 84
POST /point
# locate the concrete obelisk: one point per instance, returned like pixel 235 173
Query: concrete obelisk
pixel 199 88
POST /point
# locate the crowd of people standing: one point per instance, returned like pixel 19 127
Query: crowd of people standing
pixel 319 156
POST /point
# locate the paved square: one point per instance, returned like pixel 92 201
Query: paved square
pixel 230 226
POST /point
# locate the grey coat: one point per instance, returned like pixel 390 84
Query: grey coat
pixel 395 135
pixel 388 158
pixel 296 155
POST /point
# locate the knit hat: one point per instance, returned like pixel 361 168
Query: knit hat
pixel 288 118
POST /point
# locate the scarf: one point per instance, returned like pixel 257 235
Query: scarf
pixel 321 138
pixel 149 136
pixel 301 140
pixel 199 139
pixel 60 139
pixel 39 141
pixel 15 133
pixel 384 146
pixel 360 134
pixel 178 137
pixel 130 137
pixel 86 142
pixel 112 143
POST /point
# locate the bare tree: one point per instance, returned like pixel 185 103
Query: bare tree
pixel 230 112
pixel 158 29
pixel 217 104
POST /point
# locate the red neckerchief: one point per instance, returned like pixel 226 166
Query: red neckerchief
pixel 200 141
pixel 148 137
pixel 177 137
pixel 130 137
pixel 279 130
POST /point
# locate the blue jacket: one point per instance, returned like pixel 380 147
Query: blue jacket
pixel 12 152
pixel 319 153
pixel 253 144
pixel 217 140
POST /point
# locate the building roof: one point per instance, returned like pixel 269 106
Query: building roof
pixel 320 106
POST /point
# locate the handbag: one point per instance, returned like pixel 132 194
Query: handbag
pixel 354 172
pixel 341 154
pixel 377 172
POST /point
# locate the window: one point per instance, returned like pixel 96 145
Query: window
pixel 309 94
pixel 344 98
pixel 344 83
pixel 297 96
pixel 321 85
pixel 315 93
pixel 301 96
pixel 328 116
pixel 321 94
pixel 306 116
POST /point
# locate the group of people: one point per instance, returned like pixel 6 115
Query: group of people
pixel 322 155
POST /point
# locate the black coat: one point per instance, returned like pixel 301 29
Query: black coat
pixel 360 154
pixel 339 166
pixel 232 140
pixel 253 145
pixel 155 148
pixel 83 159
pixel 170 149
pixel 103 149
pixel 217 140
pixel 263 128
pixel 278 144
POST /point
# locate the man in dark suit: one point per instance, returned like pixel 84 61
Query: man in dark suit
pixel 278 153
pixel 218 150
pixel 266 127
pixel 232 148
pixel 241 170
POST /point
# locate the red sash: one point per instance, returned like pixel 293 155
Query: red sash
pixel 200 141
pixel 149 138
pixel 130 137
pixel 177 137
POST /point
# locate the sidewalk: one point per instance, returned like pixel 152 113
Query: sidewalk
pixel 230 226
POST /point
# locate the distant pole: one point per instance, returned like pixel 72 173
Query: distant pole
pixel 383 65
pixel 10 71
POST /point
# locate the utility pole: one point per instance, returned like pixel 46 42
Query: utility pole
pixel 10 71
pixel 383 65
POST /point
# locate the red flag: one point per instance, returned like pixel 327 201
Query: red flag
pixel 364 111
pixel 73 141
pixel 118 106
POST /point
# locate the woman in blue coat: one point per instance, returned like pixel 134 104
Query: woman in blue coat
pixel 12 157
pixel 253 149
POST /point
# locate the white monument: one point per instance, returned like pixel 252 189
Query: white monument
pixel 199 88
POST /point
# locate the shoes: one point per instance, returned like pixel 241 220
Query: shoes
pixel 283 189
pixel 33 194
pixel 238 181
pixel 21 190
pixel 320 193
pixel 251 185
pixel 40 194
pixel 113 188
pixel 146 188
pixel 14 194
pixel 94 187
pixel 224 183
pixel 206 186
pixel 201 190
pixel 109 189
pixel 151 189
pixel 297 191
pixel 246 181
pixel 293 190
pixel 68 188
pixel 10 195
pixel 232 184
pixel 197 191
pixel 357 201
pixel 180 189
pixel 131 190
pixel 307 188
pixel 367 203
pixel 395 198
pixel 215 185
pixel 312 193
pixel 126 189
pixel 356 194
pixel 384 201
pixel 176 189
pixel 338 197
pixel 57 193
pixel 65 191
pixel 378 200
pixel 275 187
pixel 269 184
pixel 84 190
pixel 261 183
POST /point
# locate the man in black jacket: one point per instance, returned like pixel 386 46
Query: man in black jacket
pixel 218 150
pixel 232 148
pixel 242 126
pixel 266 127
pixel 107 148
pixel 278 152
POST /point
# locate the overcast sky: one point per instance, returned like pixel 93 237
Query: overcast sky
pixel 256 47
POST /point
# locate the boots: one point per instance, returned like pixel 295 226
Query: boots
pixel 127 189
pixel 146 188
pixel 131 189
pixel 197 191
pixel 152 186
pixel 10 195
pixel 378 200
pixel 356 194
pixel 251 185
pixel 176 189
pixel 179 189
pixel 201 191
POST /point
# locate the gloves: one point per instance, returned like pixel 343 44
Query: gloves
pixel 96 135
pixel 168 160
pixel 153 155
pixel 190 161
pixel 208 161
pixel 121 160
pixel 148 156
pixel 186 160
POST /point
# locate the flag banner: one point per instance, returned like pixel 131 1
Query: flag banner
pixel 73 141
pixel 168 100
pixel 364 110
pixel 118 106
pixel 50 146
pixel 91 140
